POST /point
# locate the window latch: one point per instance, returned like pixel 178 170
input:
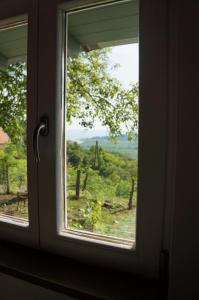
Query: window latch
pixel 42 129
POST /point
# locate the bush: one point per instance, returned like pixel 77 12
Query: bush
pixel 123 189
pixel 90 215
pixel 18 176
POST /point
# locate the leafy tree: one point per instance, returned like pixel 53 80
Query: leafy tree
pixel 92 93
pixel 115 178
pixel 13 166
pixel 13 103
pixel 123 189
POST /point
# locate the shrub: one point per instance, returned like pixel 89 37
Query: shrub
pixel 90 215
pixel 123 189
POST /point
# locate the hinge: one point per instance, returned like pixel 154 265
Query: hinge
pixel 164 272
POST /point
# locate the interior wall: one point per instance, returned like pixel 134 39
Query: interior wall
pixel 17 289
pixel 184 249
pixel 184 254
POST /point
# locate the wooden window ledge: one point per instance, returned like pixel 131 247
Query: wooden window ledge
pixel 74 278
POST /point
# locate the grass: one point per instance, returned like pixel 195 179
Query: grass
pixel 125 226
pixel 116 219
pixel 10 206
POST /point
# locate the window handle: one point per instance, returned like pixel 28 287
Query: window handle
pixel 42 129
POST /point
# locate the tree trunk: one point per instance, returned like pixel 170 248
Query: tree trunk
pixel 77 186
pixel 130 206
pixel 96 162
pixel 85 182
pixel 7 180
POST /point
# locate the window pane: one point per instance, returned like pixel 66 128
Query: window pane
pixel 13 117
pixel 102 120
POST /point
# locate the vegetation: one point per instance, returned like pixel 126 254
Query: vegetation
pixel 101 185
pixel 13 166
pixel 121 145
pixel 92 93
pixel 106 187
pixel 13 104
pixel 13 157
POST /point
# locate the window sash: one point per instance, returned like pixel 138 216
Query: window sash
pixel 14 229
pixel 152 143
pixel 46 180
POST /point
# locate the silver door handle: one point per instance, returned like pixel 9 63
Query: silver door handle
pixel 42 129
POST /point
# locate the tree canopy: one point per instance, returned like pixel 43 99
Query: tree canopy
pixel 91 93
pixel 13 104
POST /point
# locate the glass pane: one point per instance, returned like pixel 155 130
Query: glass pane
pixel 102 121
pixel 13 119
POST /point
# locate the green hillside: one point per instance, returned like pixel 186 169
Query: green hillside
pixel 122 145
pixel 101 191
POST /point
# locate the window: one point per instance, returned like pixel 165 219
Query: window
pixel 18 194
pixel 87 199
pixel 101 122
pixel 13 93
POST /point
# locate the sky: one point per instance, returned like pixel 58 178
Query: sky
pixel 127 57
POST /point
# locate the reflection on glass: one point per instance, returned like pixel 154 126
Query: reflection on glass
pixel 102 120
pixel 13 116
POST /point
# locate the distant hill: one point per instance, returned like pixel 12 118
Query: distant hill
pixel 122 145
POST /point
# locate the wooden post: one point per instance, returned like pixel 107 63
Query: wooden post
pixel 96 162
pixel 85 182
pixel 130 206
pixel 7 180
pixel 77 186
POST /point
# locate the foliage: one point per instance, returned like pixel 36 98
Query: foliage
pixel 13 165
pixel 123 146
pixel 90 215
pixel 93 94
pixel 18 176
pixel 123 189
pixel 13 104
pixel 113 167
pixel 110 184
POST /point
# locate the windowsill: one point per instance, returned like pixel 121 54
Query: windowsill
pixel 71 277
pixel 99 238
pixel 14 220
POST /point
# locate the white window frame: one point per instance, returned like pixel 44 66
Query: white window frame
pixel 152 143
pixel 45 96
pixel 13 229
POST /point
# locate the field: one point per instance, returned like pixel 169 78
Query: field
pixel 116 221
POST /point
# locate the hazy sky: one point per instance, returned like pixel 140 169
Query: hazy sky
pixel 127 57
